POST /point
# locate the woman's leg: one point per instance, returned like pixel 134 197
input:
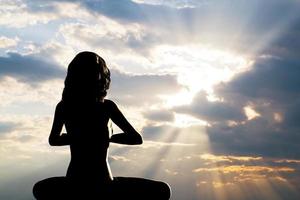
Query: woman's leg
pixel 139 188
pixel 52 188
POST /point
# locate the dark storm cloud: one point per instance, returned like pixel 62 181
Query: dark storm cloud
pixel 272 86
pixel 28 68
pixel 274 81
pixel 271 78
pixel 257 137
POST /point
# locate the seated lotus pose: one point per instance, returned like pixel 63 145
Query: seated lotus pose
pixel 85 113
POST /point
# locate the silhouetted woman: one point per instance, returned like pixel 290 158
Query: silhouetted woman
pixel 85 114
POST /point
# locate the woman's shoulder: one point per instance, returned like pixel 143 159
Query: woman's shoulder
pixel 110 104
pixel 59 106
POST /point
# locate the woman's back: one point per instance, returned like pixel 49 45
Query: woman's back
pixel 86 125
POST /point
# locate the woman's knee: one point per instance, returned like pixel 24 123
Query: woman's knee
pixel 165 190
pixel 46 188
pixel 38 189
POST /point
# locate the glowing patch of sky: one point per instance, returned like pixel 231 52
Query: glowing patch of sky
pixel 198 68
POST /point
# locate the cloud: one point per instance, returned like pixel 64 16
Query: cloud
pixel 19 14
pixel 273 81
pixel 228 158
pixel 243 169
pixel 197 21
pixel 211 111
pixel 155 132
pixel 254 137
pixel 118 158
pixel 272 89
pixel 161 115
pixel 232 173
pixel 124 9
pixel 136 90
pixel 129 11
pixel 6 42
pixel 109 35
pixel 207 21
pixel 18 98
pixel 270 78
pixel 16 14
pixel 179 4
pixel 29 69
pixel 7 127
pixel 193 136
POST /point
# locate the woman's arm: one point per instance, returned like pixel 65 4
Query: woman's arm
pixel 130 135
pixel 55 137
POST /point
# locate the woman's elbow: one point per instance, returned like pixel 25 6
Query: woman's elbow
pixel 139 140
pixel 136 139
pixel 51 141
pixel 59 140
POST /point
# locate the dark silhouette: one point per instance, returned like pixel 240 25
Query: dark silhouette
pixel 85 114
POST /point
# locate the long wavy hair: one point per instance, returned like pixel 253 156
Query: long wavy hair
pixel 87 80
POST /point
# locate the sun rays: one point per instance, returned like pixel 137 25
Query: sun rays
pixel 245 176
pixel 220 177
pixel 198 68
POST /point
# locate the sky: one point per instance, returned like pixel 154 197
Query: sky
pixel 212 86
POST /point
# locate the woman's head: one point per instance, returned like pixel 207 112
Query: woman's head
pixel 88 78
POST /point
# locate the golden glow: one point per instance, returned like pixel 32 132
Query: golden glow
pixel 224 175
pixel 216 158
pixel 243 168
pixel 288 161
pixel 278 117
pixel 8 42
pixel 250 113
pixel 181 98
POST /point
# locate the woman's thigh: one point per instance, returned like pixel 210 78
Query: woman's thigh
pixel 139 188
pixel 52 188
